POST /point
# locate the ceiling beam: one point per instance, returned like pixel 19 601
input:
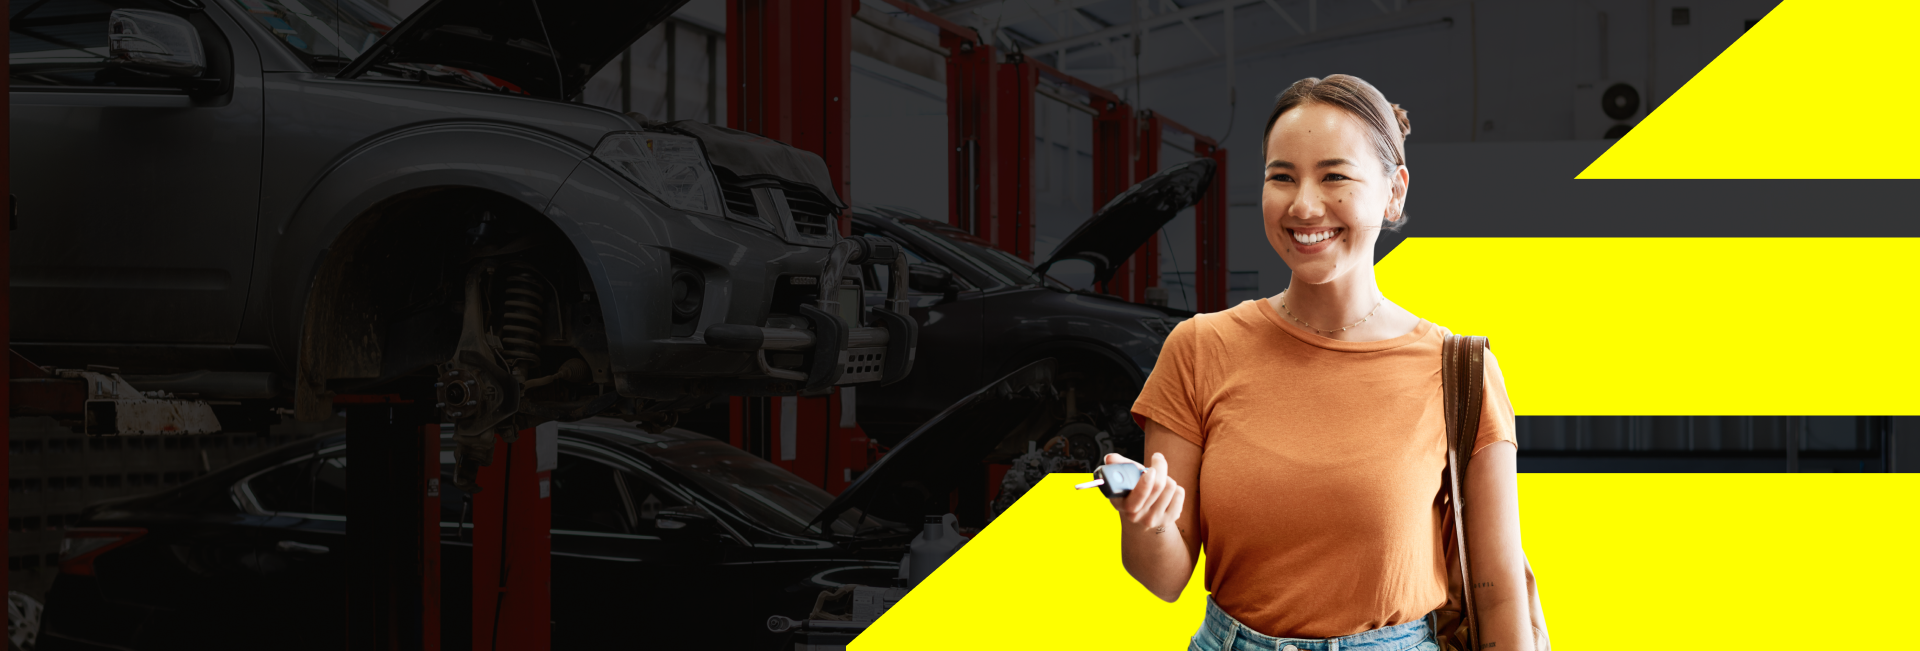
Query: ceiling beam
pixel 991 8
pixel 1146 23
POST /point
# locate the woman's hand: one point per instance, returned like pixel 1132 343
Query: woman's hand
pixel 1156 500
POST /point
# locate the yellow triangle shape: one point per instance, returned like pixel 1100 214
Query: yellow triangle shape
pixel 1046 574
pixel 1816 90
pixel 1762 555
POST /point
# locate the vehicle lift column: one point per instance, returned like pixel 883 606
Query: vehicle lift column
pixel 1116 134
pixel 789 72
pixel 393 552
pixel 1210 226
pixel 1012 226
pixel 512 543
pixel 6 335
pixel 1210 215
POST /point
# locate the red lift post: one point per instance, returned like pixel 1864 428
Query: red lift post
pixel 512 543
pixel 392 586
pixel 789 68
pixel 6 319
pixel 1210 215
pixel 789 71
pixel 990 111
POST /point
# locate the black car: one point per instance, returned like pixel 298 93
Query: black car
pixel 666 539
pixel 983 311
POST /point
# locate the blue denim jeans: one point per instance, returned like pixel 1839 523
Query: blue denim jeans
pixel 1221 632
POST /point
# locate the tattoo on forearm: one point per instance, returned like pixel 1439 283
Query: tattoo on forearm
pixel 1483 584
pixel 1488 645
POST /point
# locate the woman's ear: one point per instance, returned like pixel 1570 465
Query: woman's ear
pixel 1397 202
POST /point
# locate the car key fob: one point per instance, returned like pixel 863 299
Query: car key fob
pixel 1118 479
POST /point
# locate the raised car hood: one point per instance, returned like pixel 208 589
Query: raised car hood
pixel 915 477
pixel 548 48
pixel 1125 223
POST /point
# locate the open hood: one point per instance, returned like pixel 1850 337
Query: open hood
pixel 914 479
pixel 548 48
pixel 1125 223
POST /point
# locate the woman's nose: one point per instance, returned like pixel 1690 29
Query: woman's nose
pixel 1306 204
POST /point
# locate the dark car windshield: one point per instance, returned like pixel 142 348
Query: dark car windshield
pixel 329 34
pixel 766 492
pixel 1005 267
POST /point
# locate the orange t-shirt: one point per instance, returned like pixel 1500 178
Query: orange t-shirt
pixel 1319 490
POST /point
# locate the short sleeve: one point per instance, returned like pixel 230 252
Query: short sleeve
pixel 1171 395
pixel 1496 413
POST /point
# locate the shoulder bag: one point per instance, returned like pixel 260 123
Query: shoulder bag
pixel 1462 373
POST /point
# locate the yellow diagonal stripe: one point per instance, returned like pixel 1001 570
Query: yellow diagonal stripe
pixel 1679 326
pixel 1674 561
pixel 1816 90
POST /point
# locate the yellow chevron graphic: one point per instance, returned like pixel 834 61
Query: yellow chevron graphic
pixel 1814 91
pixel 1679 326
pixel 1677 561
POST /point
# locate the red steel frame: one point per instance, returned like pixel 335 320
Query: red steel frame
pixel 512 548
pixel 6 308
pixel 1210 216
pixel 789 71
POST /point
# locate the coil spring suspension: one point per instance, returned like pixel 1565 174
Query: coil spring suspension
pixel 522 326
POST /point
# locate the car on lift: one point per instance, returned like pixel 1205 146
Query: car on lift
pixel 669 539
pixel 276 202
pixel 983 311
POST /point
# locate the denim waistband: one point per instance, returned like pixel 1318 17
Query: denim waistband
pixel 1228 634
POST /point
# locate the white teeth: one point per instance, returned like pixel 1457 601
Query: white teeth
pixel 1312 238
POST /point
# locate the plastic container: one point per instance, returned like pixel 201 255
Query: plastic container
pixel 938 540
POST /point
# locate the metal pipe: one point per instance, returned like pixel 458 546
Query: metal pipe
pixel 867 337
pixel 792 339
pixel 837 256
pixel 1062 98
pixel 883 25
pixel 898 301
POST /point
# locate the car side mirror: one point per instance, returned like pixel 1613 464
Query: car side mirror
pixel 930 278
pixel 679 517
pixel 154 43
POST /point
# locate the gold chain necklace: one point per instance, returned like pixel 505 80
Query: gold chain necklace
pixel 1303 324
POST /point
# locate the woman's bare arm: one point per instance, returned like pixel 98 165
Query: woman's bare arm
pixel 1167 494
pixel 1493 543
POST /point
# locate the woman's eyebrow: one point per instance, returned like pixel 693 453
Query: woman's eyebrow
pixel 1331 162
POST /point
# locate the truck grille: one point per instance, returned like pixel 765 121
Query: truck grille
pixel 738 197
pixel 812 215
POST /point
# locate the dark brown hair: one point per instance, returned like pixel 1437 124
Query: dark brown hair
pixel 1386 122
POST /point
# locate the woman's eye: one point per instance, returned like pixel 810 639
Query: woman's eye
pixel 1283 178
pixel 1336 177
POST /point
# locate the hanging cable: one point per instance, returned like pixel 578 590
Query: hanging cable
pixel 1176 269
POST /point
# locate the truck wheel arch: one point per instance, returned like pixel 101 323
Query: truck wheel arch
pixel 383 259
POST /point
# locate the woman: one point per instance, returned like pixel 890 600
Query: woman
pixel 1300 437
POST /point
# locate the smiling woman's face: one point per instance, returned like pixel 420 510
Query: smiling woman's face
pixel 1325 194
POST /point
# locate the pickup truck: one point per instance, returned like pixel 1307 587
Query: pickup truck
pixel 277 202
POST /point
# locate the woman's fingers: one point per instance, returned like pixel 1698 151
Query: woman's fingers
pixel 1156 499
pixel 1143 494
pixel 1179 503
pixel 1162 503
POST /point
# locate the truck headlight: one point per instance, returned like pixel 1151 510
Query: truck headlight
pixel 672 168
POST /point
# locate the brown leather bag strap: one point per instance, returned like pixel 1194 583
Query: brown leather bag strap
pixel 1462 368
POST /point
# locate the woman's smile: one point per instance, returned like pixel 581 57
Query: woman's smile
pixel 1314 240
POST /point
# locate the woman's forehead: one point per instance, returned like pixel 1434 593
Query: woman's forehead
pixel 1318 128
